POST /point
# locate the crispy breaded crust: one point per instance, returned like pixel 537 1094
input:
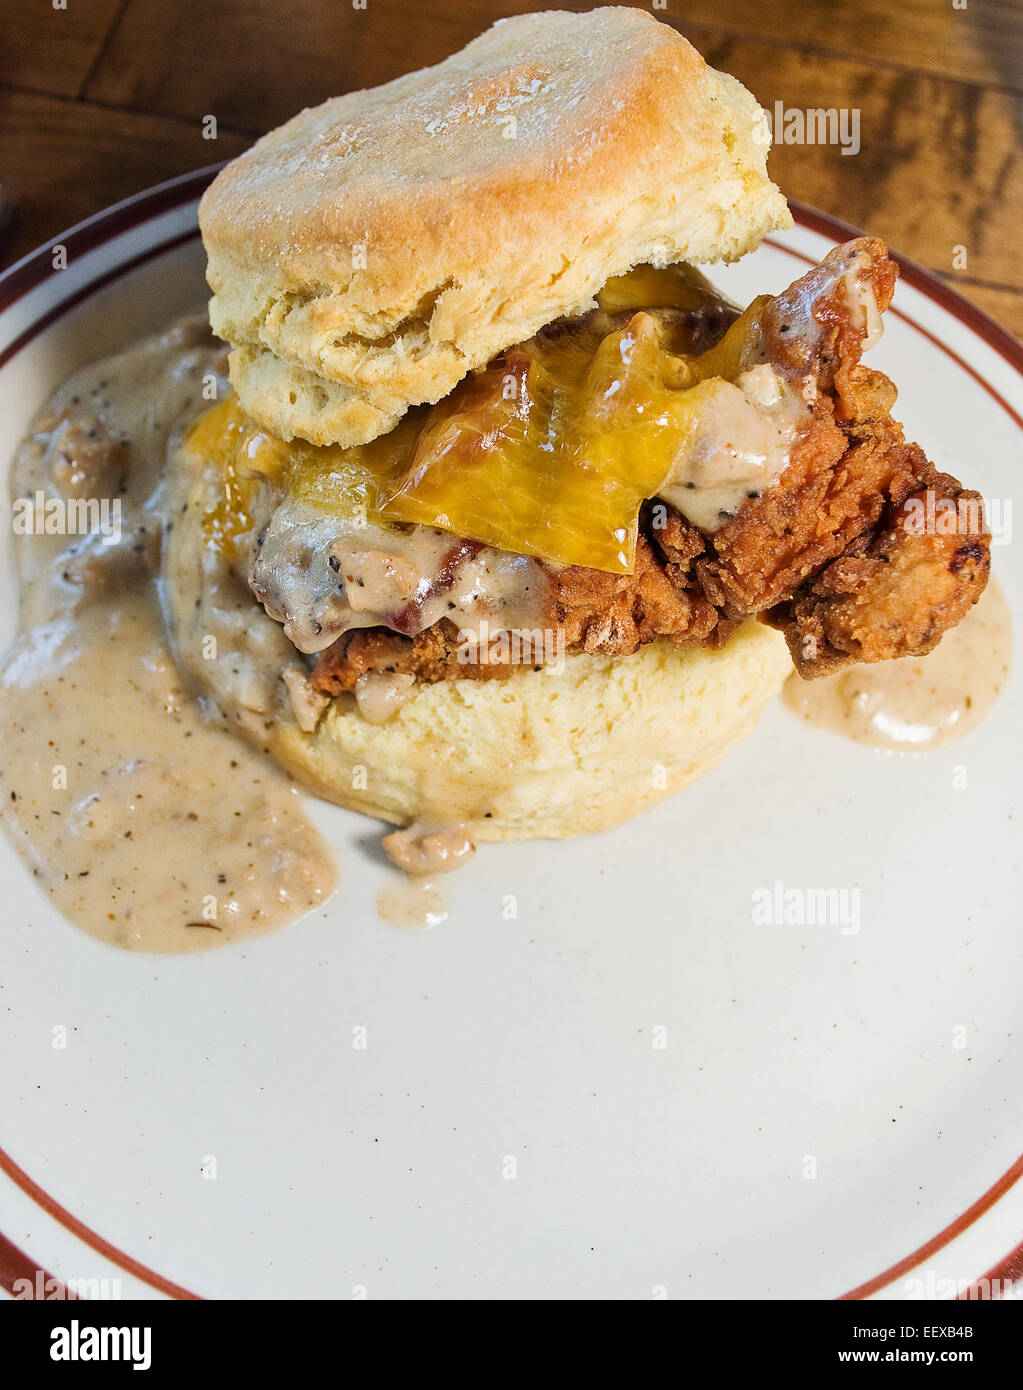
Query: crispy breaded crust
pixel 373 250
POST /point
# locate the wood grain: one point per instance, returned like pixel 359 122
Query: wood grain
pixel 939 167
pixel 297 54
pixel 936 89
pixel 1005 306
pixel 940 164
pixel 981 43
pixel 252 66
pixel 64 160
pixel 52 50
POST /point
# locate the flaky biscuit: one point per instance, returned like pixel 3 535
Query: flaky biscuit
pixel 373 250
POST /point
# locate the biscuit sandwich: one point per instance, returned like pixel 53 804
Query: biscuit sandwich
pixel 514 520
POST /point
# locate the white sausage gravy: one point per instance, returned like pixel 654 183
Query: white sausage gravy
pixel 148 824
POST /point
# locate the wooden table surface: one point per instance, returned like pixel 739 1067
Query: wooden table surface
pixel 102 98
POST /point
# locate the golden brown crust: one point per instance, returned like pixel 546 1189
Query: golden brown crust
pixel 900 589
pixel 372 251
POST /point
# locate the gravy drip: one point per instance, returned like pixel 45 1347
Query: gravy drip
pixel 917 703
pixel 149 825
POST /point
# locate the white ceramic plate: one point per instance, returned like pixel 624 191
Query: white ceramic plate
pixel 532 1045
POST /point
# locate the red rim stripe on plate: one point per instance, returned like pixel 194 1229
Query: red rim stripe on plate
pixel 16 1267
pixel 96 231
pixel 93 287
pixel 1007 1271
pixel 922 280
pixel 954 1228
pixel 86 1234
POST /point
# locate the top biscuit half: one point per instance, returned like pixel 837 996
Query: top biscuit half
pixel 370 252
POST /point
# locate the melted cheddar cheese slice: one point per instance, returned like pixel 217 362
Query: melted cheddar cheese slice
pixel 549 451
